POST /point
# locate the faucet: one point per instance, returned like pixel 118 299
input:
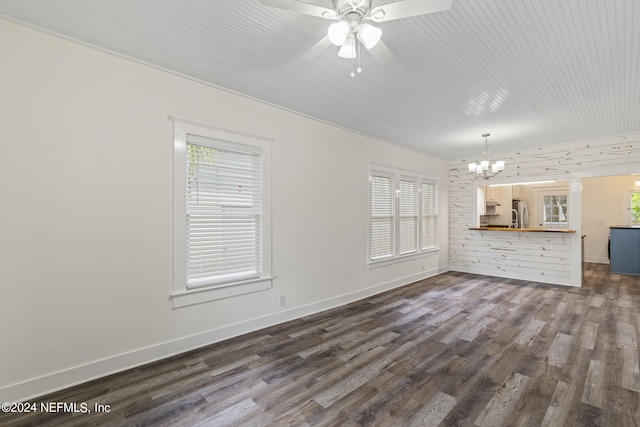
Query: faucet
pixel 514 219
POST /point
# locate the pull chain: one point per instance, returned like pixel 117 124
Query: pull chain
pixel 359 70
pixel 353 55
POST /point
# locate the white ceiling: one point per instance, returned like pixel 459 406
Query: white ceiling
pixel 531 72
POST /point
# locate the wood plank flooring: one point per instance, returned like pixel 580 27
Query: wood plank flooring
pixel 453 350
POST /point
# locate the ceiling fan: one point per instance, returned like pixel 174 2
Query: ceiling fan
pixel 351 29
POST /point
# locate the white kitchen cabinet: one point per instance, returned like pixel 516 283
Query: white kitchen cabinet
pixel 516 191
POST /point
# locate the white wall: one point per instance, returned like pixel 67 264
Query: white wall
pixel 604 204
pixel 86 226
pixel 543 257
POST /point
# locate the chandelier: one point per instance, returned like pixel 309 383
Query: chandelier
pixel 481 169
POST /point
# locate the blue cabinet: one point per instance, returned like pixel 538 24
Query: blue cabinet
pixel 625 250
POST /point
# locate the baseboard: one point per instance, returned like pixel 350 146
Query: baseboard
pixel 597 260
pixel 55 381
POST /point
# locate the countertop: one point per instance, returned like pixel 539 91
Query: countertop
pixel 625 226
pixel 526 230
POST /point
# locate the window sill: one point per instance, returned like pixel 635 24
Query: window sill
pixel 212 293
pixel 401 258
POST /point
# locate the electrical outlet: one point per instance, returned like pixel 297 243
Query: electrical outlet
pixel 283 300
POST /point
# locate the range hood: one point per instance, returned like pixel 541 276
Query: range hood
pixel 492 203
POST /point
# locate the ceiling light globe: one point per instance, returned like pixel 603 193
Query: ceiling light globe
pixel 338 32
pixel 369 35
pixel 348 49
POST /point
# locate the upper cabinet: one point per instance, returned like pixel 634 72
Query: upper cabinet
pixel 499 204
pixel 491 193
pixel 516 191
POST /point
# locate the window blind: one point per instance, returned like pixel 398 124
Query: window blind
pixel 408 234
pixel 403 215
pixel 224 214
pixel 382 210
pixel 429 235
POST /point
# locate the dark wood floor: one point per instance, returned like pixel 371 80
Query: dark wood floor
pixel 455 349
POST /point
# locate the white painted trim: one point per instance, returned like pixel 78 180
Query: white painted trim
pixel 212 130
pixel 49 383
pixel 597 260
pixel 205 294
pixel 575 222
pixel 402 258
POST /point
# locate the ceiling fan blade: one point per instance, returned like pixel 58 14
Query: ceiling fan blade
pixel 382 54
pixel 407 8
pixel 300 7
pixel 317 49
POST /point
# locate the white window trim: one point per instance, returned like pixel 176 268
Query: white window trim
pixel 397 174
pixel 182 296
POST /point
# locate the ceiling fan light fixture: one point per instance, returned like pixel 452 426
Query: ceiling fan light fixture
pixel 338 32
pixel 348 49
pixel 349 30
pixel 369 35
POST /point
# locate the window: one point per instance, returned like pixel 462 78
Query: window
pixel 403 214
pixel 224 213
pixel 554 209
pixel 634 206
pixel 221 213
pixel 408 199
pixel 382 216
pixel 429 218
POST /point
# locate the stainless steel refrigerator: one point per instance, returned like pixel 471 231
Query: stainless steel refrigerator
pixel 519 214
